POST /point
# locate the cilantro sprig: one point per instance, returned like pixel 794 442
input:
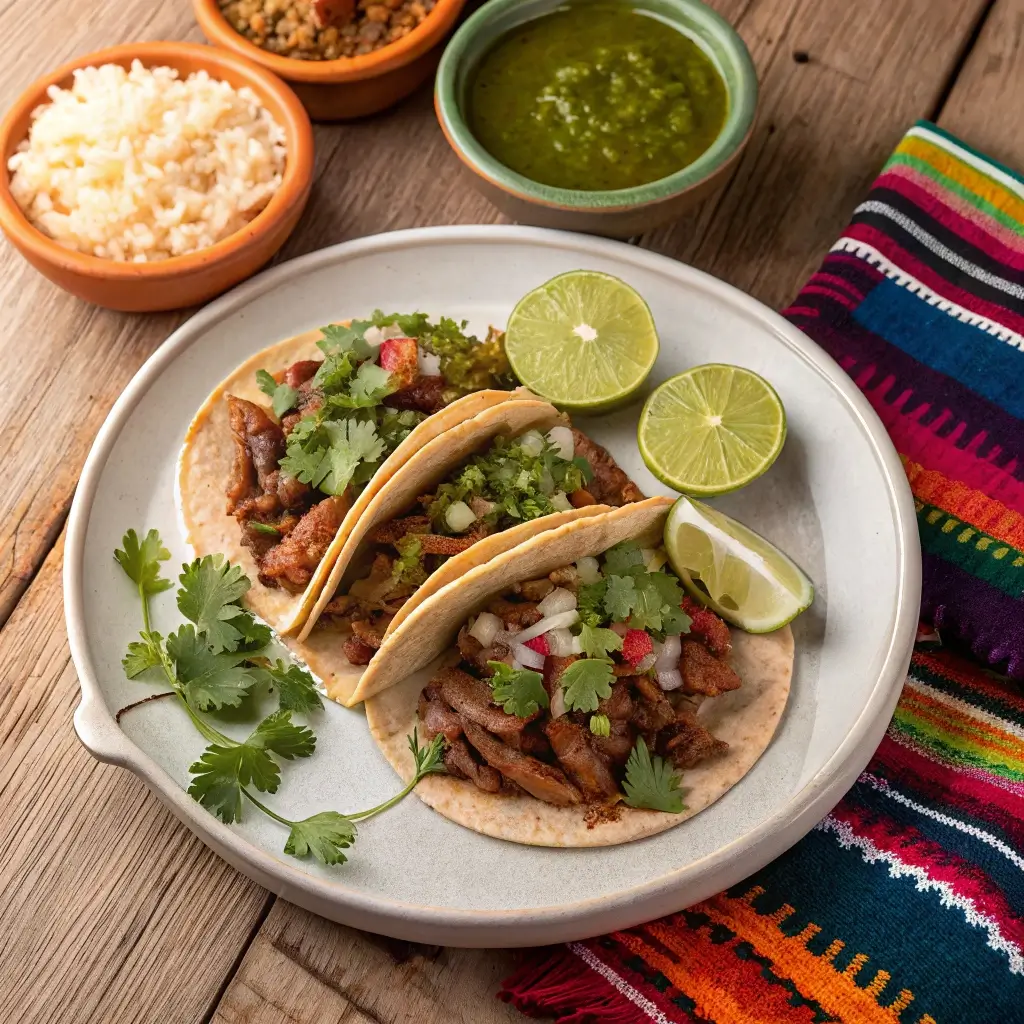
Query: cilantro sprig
pixel 651 782
pixel 282 396
pixel 216 660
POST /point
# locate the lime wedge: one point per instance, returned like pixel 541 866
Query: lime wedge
pixel 732 570
pixel 584 340
pixel 712 429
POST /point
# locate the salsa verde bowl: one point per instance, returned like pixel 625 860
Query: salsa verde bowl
pixel 618 213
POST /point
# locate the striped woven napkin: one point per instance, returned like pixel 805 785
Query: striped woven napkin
pixel 906 903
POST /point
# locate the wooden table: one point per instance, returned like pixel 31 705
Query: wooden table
pixel 109 909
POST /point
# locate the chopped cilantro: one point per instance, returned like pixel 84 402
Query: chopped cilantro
pixel 598 642
pixel 270 531
pixel 408 567
pixel 586 683
pixel 520 691
pixel 346 339
pixel 326 455
pixel 590 603
pixel 517 482
pixel 651 782
pixel 282 397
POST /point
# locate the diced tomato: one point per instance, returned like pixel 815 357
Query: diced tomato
pixel 636 645
pixel 398 356
pixel 539 644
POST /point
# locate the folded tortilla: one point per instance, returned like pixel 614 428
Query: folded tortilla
pixel 321 650
pixel 745 718
pixel 204 468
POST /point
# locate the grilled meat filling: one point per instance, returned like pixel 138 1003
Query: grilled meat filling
pixel 557 758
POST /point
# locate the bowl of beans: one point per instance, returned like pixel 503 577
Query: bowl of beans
pixel 153 176
pixel 344 58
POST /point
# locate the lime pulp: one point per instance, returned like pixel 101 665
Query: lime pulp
pixel 584 340
pixel 711 429
pixel 734 571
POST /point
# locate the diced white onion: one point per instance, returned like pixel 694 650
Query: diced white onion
pixel 619 627
pixel 559 600
pixel 561 438
pixel 577 647
pixel 589 569
pixel 528 657
pixel 392 331
pixel 667 653
pixel 560 501
pixel 486 628
pixel 646 663
pixel 428 363
pixel 557 707
pixel 548 623
pixel 516 665
pixel 373 336
pixel 459 516
pixel 670 679
pixel 532 443
pixel 560 642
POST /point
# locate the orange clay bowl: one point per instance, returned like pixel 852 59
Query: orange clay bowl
pixel 338 90
pixel 180 280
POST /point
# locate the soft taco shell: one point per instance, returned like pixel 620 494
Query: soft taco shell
pixel 321 650
pixel 746 718
pixel 205 466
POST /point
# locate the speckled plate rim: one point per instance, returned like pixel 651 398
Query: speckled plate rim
pixel 697 880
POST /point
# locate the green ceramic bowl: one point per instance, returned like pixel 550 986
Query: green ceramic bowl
pixel 623 212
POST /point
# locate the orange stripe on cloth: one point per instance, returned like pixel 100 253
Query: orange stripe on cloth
pixel 980 184
pixel 966 674
pixel 814 976
pixel 735 992
pixel 966 503
pixel 949 720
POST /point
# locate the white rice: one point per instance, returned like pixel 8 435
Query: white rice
pixel 140 165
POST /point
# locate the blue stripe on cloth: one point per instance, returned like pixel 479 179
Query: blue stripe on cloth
pixel 994 865
pixel 896 925
pixel 984 363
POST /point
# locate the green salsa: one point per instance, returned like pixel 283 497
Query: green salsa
pixel 595 97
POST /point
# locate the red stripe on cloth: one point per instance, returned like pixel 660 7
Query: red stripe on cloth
pixel 840 283
pixel 949 787
pixel 962 672
pixel 910 848
pixel 935 281
pixel 923 445
pixel 970 223
pixel 935 202
pixel 831 293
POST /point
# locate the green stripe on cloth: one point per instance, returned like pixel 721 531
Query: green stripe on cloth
pixel 975 552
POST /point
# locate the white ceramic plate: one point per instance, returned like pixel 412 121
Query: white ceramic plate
pixel 837 500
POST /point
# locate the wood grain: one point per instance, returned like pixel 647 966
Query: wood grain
pixel 109 908
pixel 983 107
pixel 304 970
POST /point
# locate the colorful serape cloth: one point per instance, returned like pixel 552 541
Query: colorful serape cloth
pixel 906 903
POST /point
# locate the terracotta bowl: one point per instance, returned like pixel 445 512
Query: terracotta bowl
pixel 180 280
pixel 623 212
pixel 339 90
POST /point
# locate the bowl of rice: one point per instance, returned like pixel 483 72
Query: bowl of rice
pixel 153 176
pixel 344 58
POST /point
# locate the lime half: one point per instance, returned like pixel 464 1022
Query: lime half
pixel 732 570
pixel 584 340
pixel 711 429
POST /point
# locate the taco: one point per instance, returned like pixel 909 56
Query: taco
pixel 288 451
pixel 479 489
pixel 587 701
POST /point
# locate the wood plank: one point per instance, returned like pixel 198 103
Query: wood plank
pixel 304 970
pixel 825 128
pixel 983 107
pixel 109 908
